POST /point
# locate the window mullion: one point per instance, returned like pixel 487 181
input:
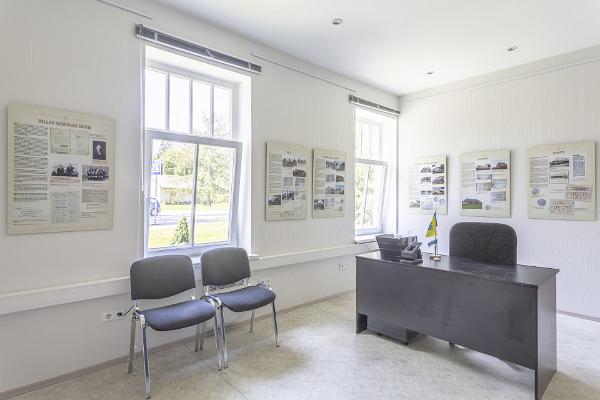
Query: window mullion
pixel 194 194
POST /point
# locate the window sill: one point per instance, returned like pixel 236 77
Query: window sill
pixel 365 239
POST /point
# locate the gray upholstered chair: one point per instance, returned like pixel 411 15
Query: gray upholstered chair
pixel 158 278
pixel 486 242
pixel 229 266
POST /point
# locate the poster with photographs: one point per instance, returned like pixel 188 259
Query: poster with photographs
pixel 485 184
pixel 562 181
pixel 288 181
pixel 428 185
pixel 329 190
pixel 60 170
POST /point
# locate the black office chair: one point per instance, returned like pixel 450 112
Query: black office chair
pixel 226 267
pixel 158 278
pixel 486 242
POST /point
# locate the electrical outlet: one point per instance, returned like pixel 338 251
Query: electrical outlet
pixel 113 315
pixel 342 266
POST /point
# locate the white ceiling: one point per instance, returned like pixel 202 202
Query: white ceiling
pixel 391 44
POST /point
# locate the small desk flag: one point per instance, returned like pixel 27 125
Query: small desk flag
pixel 432 230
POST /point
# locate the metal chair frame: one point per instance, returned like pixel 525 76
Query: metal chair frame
pixel 138 318
pixel 220 309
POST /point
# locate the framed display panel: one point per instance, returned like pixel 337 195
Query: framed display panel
pixel 287 181
pixel 60 170
pixel 428 185
pixel 329 180
pixel 485 184
pixel 562 181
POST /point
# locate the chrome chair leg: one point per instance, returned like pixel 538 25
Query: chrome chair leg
pixel 131 345
pixel 275 325
pixel 145 351
pixel 217 343
pixel 252 322
pixel 200 336
pixel 223 340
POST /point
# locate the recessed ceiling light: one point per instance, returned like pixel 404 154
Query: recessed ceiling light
pixel 512 48
pixel 337 21
pixel 430 72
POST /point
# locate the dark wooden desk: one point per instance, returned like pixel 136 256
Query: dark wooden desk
pixel 506 311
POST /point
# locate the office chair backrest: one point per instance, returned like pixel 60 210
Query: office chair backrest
pixel 224 266
pixel 161 276
pixel 487 242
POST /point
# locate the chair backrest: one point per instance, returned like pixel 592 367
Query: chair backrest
pixel 161 276
pixel 224 266
pixel 487 242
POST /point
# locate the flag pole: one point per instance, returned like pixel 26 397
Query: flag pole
pixel 435 256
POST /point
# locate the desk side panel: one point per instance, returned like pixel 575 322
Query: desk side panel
pixel 546 356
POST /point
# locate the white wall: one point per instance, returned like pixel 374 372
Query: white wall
pixel 82 55
pixel 552 107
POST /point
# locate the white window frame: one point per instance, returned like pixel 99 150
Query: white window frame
pixel 368 161
pixel 151 134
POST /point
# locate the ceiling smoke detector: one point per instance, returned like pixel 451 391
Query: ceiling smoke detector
pixel 337 21
pixel 512 48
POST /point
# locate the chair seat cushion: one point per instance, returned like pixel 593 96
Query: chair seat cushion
pixel 180 315
pixel 246 299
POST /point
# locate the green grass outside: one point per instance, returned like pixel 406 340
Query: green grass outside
pixel 160 236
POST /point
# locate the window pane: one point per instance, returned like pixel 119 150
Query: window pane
pixel 179 104
pixel 369 181
pixel 374 144
pixel 156 99
pixel 222 127
pixel 213 205
pixel 374 196
pixel 171 187
pixel 357 140
pixel 201 108
pixel 365 140
pixel 360 178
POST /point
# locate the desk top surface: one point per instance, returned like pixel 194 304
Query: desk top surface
pixel 523 275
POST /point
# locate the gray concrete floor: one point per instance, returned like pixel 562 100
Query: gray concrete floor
pixel 322 358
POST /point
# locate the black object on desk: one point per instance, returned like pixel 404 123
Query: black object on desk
pixel 506 311
pixel 391 246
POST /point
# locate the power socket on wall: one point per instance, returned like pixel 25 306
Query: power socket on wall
pixel 113 315
pixel 342 266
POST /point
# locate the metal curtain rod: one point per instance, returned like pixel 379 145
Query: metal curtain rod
pixel 302 72
pixel 120 7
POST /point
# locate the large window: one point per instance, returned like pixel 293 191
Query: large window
pixel 192 161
